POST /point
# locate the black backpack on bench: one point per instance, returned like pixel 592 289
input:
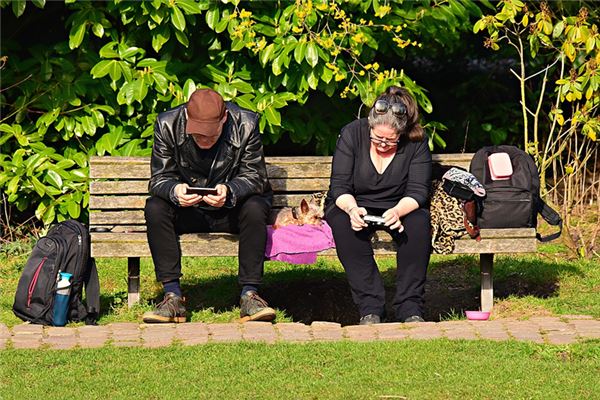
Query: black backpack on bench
pixel 66 248
pixel 514 202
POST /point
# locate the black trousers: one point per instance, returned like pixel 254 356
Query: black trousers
pixel 355 251
pixel 166 221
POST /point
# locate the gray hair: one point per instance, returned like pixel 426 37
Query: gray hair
pixel 398 123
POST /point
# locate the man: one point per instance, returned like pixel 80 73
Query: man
pixel 208 143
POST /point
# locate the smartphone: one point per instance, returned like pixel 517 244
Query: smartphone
pixel 203 191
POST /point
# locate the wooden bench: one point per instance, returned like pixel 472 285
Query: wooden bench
pixel 119 188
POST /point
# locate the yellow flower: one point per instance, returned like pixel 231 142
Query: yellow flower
pixel 245 14
pixel 383 10
pixel 297 29
pixel 375 66
pixel 339 77
pixel 362 73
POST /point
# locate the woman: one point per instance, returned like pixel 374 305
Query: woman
pixel 382 167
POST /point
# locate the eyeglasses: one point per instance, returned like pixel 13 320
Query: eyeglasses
pixel 384 142
pixel 382 107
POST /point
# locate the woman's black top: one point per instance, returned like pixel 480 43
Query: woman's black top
pixel 353 172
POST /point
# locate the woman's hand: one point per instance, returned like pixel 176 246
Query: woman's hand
pixel 356 218
pixel 392 219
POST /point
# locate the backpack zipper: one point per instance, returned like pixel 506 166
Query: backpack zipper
pixel 34 280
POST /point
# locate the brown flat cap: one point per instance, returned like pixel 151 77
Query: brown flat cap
pixel 205 110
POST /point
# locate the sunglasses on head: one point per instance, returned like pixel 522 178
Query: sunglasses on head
pixel 383 106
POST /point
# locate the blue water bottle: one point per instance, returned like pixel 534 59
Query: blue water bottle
pixel 61 299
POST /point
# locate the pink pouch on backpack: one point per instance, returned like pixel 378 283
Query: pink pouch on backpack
pixel 500 166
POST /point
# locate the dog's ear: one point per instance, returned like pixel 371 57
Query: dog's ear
pixel 304 206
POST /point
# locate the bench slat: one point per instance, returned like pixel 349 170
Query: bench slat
pixel 277 167
pixel 118 170
pixel 139 202
pixel 122 245
pixel 134 244
pixel 278 185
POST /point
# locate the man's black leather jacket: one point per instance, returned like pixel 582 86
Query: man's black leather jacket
pixel 239 163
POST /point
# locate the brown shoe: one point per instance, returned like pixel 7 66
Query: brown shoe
pixel 254 308
pixel 171 309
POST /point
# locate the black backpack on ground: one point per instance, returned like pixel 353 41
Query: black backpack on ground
pixel 514 202
pixel 66 248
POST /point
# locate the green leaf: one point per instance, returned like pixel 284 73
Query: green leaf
pixel 312 54
pixel 18 7
pixel 237 44
pixel 265 54
pixel 76 35
pixel 313 80
pixel 178 19
pixel 188 88
pixel 189 6
pixel 182 38
pixel 54 179
pixel 74 209
pixel 160 36
pixel 39 3
pixel 13 185
pixel 212 17
pixel 273 116
pixel 140 89
pixel 300 52
pixel 98 29
pixel 64 164
pixel 49 215
pixel 39 187
pixel 108 50
pixel 245 101
pixel 106 67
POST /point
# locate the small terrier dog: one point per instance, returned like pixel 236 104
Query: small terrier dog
pixel 308 213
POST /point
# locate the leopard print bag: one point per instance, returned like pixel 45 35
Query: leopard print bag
pixel 447 220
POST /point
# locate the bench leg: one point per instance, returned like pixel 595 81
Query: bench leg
pixel 133 281
pixel 486 263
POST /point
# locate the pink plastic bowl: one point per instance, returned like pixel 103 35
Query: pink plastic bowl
pixel 477 315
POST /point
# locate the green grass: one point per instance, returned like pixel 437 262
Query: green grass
pixel 547 283
pixel 437 369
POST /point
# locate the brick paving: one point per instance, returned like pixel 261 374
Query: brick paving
pixel 566 329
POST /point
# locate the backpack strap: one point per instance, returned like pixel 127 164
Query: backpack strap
pixel 92 294
pixel 551 217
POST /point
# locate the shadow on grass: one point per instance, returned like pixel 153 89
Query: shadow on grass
pixel 311 293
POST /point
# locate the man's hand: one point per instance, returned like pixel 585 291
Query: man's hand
pixel 186 200
pixel 216 200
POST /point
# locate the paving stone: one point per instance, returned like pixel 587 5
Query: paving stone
pixel 155 343
pixel 424 330
pixel 90 331
pixel 26 341
pixel 360 333
pixel 391 331
pixel 259 332
pixel 3 343
pixel 491 330
pixel 224 332
pixel 61 331
pixel 587 329
pixel 458 330
pixel 92 342
pixel 124 327
pixel 293 332
pixel 570 316
pixel 194 340
pixel 524 331
pixel 60 342
pixel 191 333
pixel 326 331
pixel 4 332
pixel 127 343
pixel 561 338
pixel 28 329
